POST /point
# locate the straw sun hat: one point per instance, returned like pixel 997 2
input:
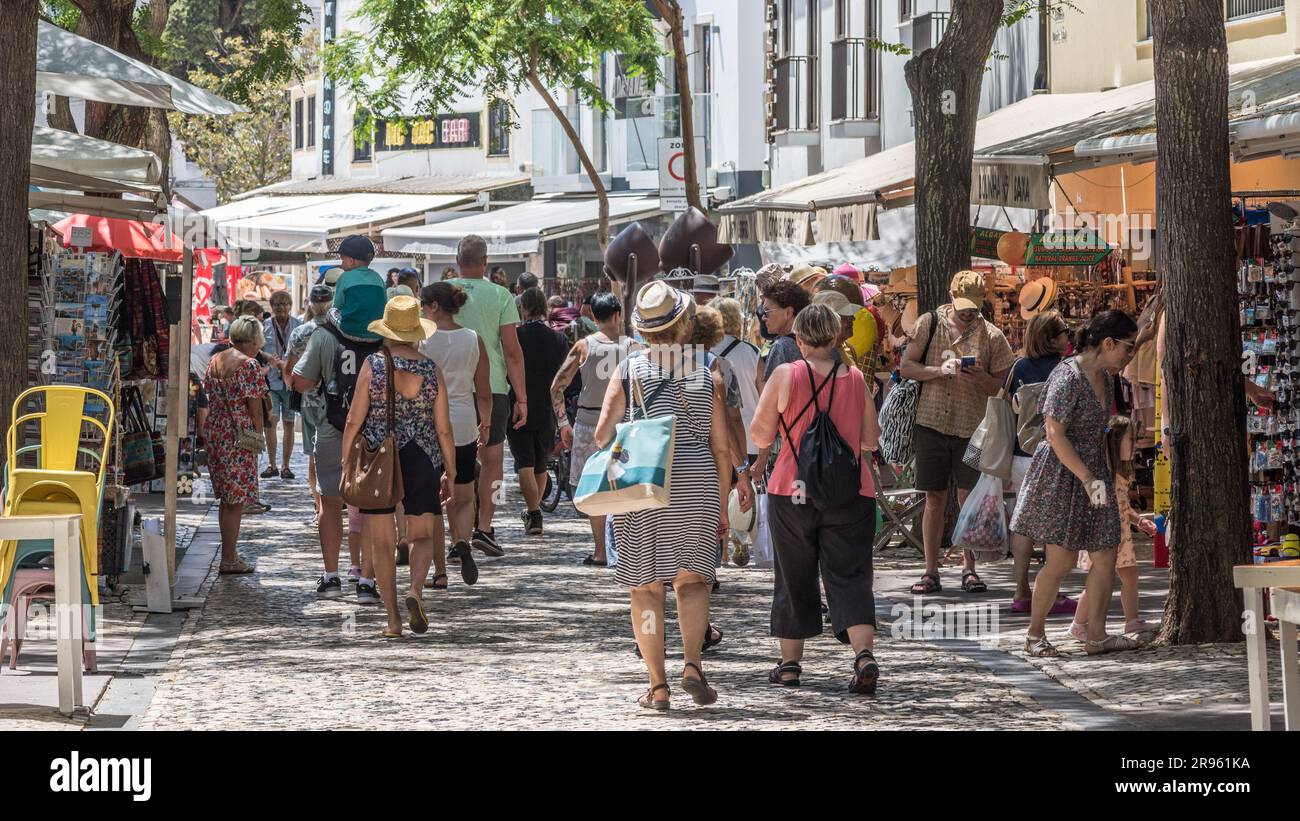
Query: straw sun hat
pixel 659 306
pixel 402 321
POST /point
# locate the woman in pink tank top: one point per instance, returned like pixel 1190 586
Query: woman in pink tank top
pixel 832 544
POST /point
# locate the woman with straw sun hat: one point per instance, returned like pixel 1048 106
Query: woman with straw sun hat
pixel 422 429
pixel 676 544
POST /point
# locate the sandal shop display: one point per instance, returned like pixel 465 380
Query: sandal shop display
pixel 99 320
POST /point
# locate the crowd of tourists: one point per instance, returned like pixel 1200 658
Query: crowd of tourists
pixel 434 381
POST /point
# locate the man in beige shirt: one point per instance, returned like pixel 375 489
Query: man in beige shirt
pixel 967 362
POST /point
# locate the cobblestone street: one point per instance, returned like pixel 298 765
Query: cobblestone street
pixel 543 642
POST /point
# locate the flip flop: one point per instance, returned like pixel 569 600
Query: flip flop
pixel 390 634
pixel 415 610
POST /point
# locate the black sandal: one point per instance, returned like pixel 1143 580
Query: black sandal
pixel 928 584
pixel 403 556
pixel 698 688
pixel 776 676
pixel 864 676
pixel 709 640
pixel 648 700
pixel 433 583
pixel 972 583
pixel 468 569
pixel 590 561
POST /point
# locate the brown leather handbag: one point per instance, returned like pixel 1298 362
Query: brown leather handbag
pixel 372 478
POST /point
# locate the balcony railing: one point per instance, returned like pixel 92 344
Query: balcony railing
pixel 1238 9
pixel 855 80
pixel 649 118
pixel 796 94
pixel 928 29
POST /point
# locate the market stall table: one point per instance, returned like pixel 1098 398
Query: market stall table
pixel 1281 578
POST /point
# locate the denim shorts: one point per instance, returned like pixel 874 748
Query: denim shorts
pixel 280 405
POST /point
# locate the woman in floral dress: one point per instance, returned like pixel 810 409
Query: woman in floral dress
pixel 235 386
pixel 422 428
pixel 1068 498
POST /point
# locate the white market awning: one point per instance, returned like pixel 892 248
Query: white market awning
pixel 896 247
pixel 518 229
pixel 78 154
pixel 73 66
pixel 95 206
pixel 304 224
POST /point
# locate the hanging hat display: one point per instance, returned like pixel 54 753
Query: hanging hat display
pixel 691 228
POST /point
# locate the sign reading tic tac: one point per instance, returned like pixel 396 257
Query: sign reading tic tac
pixel 444 131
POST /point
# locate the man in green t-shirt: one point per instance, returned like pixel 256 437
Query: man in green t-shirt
pixel 492 314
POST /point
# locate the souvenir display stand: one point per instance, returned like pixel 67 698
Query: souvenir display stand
pixel 98 317
pixel 1268 245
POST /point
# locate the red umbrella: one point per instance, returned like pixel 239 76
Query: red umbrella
pixel 131 237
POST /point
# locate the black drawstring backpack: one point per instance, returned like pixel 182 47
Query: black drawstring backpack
pixel 826 465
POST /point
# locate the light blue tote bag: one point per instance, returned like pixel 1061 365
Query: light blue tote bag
pixel 635 471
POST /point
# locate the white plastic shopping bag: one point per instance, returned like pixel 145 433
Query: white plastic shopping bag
pixel 760 554
pixel 982 523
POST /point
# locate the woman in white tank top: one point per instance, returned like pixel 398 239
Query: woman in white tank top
pixel 460 354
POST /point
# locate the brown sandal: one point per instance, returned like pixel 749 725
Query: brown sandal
pixel 236 568
pixel 648 700
pixel 698 688
pixel 928 585
pixel 1040 647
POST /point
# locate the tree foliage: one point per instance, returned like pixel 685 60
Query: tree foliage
pixel 418 57
pixel 241 151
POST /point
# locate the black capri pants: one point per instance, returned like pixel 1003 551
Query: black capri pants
pixel 835 543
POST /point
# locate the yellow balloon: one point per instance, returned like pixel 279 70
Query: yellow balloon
pixel 864 334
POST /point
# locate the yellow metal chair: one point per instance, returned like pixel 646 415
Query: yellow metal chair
pixel 54 484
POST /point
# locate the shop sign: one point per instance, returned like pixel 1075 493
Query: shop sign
pixel 1083 247
pixel 328 32
pixel 630 91
pixel 737 228
pixel 1010 184
pixel 984 242
pixel 83 236
pixel 848 223
pixel 786 227
pixel 444 131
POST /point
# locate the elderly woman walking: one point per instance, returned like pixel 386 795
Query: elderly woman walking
pixel 1068 498
pixel 812 540
pixel 676 544
pixel 422 429
pixel 235 387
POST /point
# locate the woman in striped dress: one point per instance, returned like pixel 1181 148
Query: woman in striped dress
pixel 677 544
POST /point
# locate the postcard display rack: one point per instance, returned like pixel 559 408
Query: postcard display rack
pixel 70 342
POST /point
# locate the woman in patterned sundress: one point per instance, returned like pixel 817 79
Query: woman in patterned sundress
pixel 422 428
pixel 235 387
pixel 677 544
pixel 1068 498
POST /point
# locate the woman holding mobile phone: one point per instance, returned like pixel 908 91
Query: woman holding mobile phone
pixel 1068 498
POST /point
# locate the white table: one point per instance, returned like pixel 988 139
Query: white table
pixel 1281 579
pixel 65 531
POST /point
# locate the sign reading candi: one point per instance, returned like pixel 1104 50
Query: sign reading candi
pixel 1009 183
pixel 444 131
